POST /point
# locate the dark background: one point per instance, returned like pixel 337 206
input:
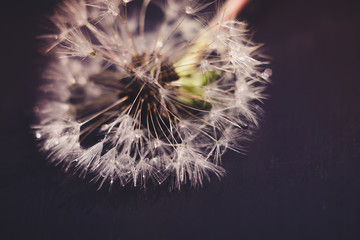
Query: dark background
pixel 299 180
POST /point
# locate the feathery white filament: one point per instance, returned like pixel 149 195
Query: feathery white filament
pixel 134 98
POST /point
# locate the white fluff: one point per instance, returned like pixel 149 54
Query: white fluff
pixel 168 136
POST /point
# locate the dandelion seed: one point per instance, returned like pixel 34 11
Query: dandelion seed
pixel 133 99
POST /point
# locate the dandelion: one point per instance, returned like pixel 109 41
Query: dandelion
pixel 133 97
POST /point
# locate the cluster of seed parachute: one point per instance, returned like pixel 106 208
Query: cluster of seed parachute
pixel 147 90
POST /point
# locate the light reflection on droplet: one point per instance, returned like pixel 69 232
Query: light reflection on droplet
pixel 266 73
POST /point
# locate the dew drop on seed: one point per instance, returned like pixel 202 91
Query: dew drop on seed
pixel 189 10
pixel 72 80
pixel 92 54
pixel 112 12
pixel 38 135
pixel 159 44
pixel 266 74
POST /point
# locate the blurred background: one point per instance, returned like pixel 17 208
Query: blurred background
pixel 299 180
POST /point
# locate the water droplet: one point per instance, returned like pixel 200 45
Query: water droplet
pixel 92 54
pixel 266 74
pixel 189 10
pixel 159 44
pixel 38 135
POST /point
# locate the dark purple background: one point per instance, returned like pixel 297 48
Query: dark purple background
pixel 299 180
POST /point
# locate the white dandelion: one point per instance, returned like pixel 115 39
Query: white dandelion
pixel 148 90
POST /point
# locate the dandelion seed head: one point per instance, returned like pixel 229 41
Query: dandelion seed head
pixel 132 99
